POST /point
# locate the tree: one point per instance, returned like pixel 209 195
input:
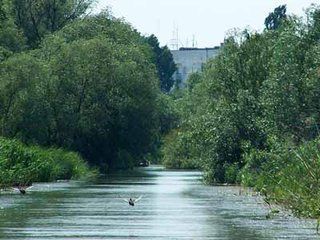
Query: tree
pixel 11 38
pixel 21 78
pixel 220 109
pixel 105 104
pixel 274 19
pixel 163 59
pixel 2 11
pixel 91 87
pixel 313 23
pixel 39 17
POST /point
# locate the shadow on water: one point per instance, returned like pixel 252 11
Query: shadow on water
pixel 175 205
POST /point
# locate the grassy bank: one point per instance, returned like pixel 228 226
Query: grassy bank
pixel 22 165
pixel 287 175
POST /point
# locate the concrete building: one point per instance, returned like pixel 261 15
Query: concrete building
pixel 190 60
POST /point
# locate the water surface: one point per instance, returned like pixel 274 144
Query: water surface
pixel 175 205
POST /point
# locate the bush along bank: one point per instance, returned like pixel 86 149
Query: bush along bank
pixel 287 175
pixel 21 165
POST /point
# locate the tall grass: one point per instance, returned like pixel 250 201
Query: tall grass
pixel 290 176
pixel 22 165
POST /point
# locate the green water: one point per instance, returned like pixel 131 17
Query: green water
pixel 175 205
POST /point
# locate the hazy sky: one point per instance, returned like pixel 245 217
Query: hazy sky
pixel 205 21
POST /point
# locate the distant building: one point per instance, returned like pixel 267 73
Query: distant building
pixel 190 60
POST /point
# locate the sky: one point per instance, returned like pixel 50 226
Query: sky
pixel 196 23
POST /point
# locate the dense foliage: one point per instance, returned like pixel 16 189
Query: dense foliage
pixel 286 174
pixel 84 83
pixel 39 18
pixel 252 115
pixel 22 165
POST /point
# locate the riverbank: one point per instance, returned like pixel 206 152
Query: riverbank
pixel 21 165
pixel 287 175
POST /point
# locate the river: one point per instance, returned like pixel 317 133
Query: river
pixel 174 205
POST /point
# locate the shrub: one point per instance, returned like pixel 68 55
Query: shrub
pixel 22 165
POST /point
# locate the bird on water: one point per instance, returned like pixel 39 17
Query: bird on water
pixel 132 201
pixel 22 189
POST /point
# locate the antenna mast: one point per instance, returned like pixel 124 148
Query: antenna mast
pixel 174 42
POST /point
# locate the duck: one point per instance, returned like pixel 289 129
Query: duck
pixel 132 201
pixel 22 189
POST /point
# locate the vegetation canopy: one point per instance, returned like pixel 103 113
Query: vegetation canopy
pixel 84 83
pixel 252 116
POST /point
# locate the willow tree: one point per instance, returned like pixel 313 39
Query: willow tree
pixel 92 87
pixel 39 17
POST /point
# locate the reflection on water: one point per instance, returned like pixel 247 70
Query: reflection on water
pixel 175 205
